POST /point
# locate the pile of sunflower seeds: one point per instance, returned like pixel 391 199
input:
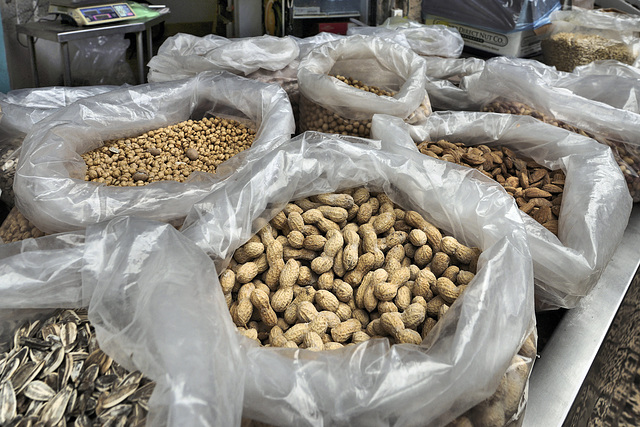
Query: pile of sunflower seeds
pixel 56 375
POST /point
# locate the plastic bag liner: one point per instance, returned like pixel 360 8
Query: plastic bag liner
pixel 595 205
pixel 607 35
pixel 49 185
pixel 373 384
pixel 185 55
pixel 531 83
pixel 155 302
pixel 371 60
pixel 19 110
pixel 446 81
pixel 427 40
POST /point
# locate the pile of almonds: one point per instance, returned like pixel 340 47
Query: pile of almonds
pixel 537 190
pixel 627 156
pixel 169 153
pixel 16 227
pixel 342 268
pixel 317 118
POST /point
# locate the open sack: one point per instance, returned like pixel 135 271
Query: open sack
pixel 516 86
pixel 155 303
pixel 20 109
pixel 378 63
pixel 371 383
pixel 568 266
pixel 579 36
pixel 49 187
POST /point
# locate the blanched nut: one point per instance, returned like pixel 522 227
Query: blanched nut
pixel 281 296
pixel 169 153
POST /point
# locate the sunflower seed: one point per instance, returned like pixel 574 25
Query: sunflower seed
pixel 143 393
pixel 105 382
pixel 25 374
pixel 54 409
pixel 118 395
pixel 88 377
pixel 69 334
pixel 8 404
pixel 38 390
pixel 82 421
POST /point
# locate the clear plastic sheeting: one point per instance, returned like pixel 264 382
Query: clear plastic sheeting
pixel 372 384
pixel 156 305
pixel 185 55
pixel 595 205
pixel 49 185
pixel 446 81
pixel 23 108
pixel 425 40
pixel 374 61
pixel 20 109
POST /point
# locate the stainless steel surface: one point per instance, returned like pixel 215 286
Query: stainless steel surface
pixel 565 361
pixel 61 33
pixel 66 61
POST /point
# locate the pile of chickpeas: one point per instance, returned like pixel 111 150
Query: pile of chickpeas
pixel 168 153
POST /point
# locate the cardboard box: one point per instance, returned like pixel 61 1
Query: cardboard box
pixel 514 43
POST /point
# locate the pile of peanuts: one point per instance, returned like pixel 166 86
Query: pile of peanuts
pixel 16 227
pixel 625 154
pixel 342 268
pixel 537 190
pixel 317 118
pixel 169 153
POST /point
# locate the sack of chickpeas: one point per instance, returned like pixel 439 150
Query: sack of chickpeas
pixel 525 87
pixel 425 40
pixel 371 287
pixel 20 109
pixel 150 151
pixel 573 194
pixel 133 338
pixel 345 82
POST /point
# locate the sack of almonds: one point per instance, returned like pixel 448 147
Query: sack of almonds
pixel 345 82
pixel 87 339
pixel 580 36
pixel 20 109
pixel 75 165
pixel 446 82
pixel 574 199
pixel 425 40
pixel 367 285
pixel 518 86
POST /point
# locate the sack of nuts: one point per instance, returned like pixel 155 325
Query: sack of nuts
pixel 425 40
pixel 345 82
pixel 197 131
pixel 367 285
pixel 580 36
pixel 88 339
pixel 20 109
pixel 554 175
pixel 519 86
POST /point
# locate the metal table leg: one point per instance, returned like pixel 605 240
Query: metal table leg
pixel 66 63
pixel 34 64
pixel 140 54
pixel 149 35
